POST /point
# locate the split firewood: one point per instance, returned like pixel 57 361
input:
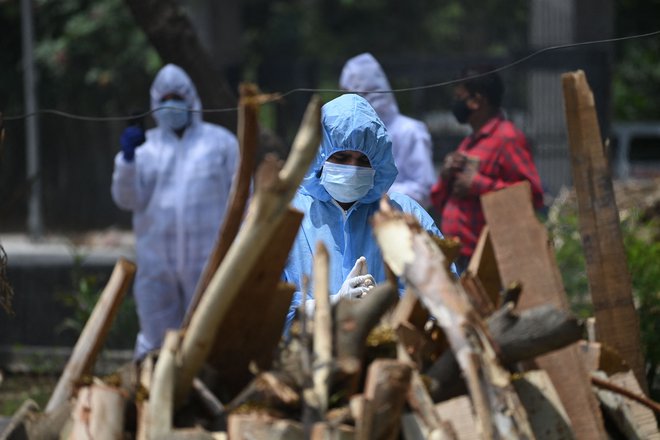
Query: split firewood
pixel 98 413
pixel 460 414
pixel 93 336
pixel 421 403
pixel 353 321
pixel 483 266
pixel 610 283
pixel 261 426
pixel 322 364
pixel 409 309
pixel 275 187
pixel 161 395
pixel 246 341
pixel 248 128
pixel 510 215
pixel 142 399
pixel 624 402
pixel 327 431
pixel 477 294
pixel 270 391
pixel 385 393
pixel 411 254
pixel 519 337
pixel 546 412
pixel 16 426
pixel 413 428
pixel 210 402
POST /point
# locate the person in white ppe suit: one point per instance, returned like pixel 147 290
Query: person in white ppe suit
pixel 339 194
pixel 176 182
pixel 411 141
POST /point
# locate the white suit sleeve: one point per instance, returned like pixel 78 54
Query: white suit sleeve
pixel 127 192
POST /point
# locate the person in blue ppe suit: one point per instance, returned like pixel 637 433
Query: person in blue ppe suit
pixel 176 182
pixel 411 140
pixel 339 194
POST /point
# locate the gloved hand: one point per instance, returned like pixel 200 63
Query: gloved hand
pixel 358 282
pixel 132 137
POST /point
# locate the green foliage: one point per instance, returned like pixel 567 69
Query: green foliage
pixel 92 49
pixel 81 300
pixel 642 243
pixel 636 79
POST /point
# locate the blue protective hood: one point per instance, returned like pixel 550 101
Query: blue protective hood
pixel 350 123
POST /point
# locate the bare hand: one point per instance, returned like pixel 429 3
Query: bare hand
pixel 462 182
pixel 453 163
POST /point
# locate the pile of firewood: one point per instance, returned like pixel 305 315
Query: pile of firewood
pixel 492 354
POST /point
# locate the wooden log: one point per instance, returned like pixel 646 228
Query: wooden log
pixel 248 129
pixel 193 434
pixel 458 411
pixel 605 256
pixel 322 365
pixel 409 309
pixel 28 423
pixel 483 266
pixel 142 401
pixel 510 215
pixel 421 403
pixel 622 400
pixel 275 188
pixel 94 333
pixel 270 390
pixel 161 396
pixel 16 428
pixel 410 253
pixel 546 412
pixel 98 413
pixel 519 337
pixel 244 337
pixel 477 294
pixel 260 426
pixel 353 321
pixel 385 393
pixel 210 402
pixel 326 431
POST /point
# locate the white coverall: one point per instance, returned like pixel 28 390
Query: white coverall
pixel 177 189
pixel 411 140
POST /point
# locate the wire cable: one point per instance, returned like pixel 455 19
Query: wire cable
pixel 278 97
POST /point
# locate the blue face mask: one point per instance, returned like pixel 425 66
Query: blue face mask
pixel 173 114
pixel 347 183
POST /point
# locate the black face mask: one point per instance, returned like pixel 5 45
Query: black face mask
pixel 461 111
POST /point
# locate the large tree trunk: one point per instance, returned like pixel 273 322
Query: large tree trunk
pixel 172 34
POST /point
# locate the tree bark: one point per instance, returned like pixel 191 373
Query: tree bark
pixel 172 34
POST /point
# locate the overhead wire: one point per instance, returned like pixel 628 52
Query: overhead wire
pixel 277 97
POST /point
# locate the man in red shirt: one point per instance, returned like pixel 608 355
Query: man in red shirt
pixel 496 155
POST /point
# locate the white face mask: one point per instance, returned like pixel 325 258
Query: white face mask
pixel 172 113
pixel 347 183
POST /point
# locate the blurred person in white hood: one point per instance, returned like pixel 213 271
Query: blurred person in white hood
pixel 175 178
pixel 411 141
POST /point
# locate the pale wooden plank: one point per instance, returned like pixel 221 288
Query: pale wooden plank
pixel 524 254
pixel 609 279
